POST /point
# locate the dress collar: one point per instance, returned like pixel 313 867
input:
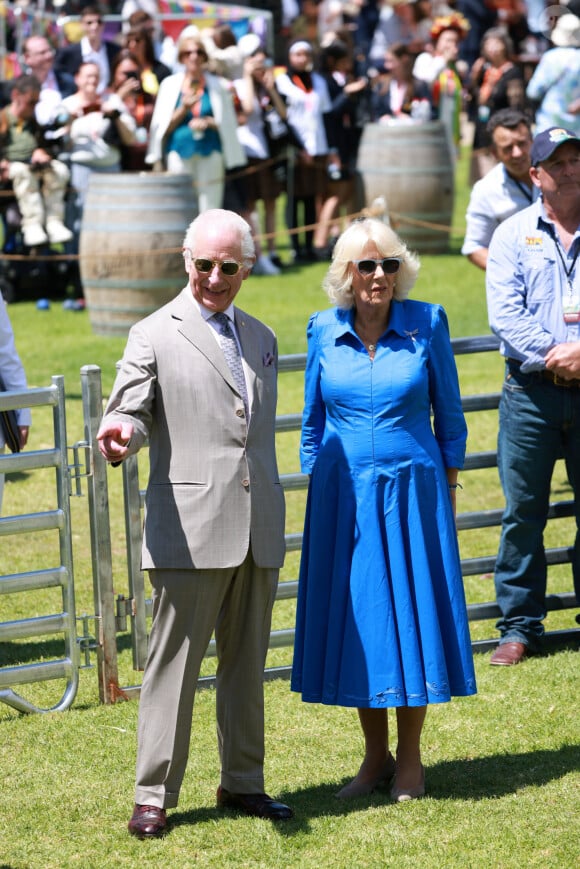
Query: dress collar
pixel 397 320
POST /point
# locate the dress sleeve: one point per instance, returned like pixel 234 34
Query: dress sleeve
pixel 314 415
pixel 448 419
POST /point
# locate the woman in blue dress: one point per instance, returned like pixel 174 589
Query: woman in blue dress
pixel 381 615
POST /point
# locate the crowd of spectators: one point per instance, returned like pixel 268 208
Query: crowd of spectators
pixel 247 126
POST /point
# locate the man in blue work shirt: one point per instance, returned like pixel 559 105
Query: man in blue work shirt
pixel 533 297
pixel 506 189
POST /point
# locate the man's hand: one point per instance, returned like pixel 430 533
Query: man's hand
pixel 23 435
pixel 564 360
pixel 113 438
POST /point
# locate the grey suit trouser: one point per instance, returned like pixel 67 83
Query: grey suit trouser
pixel 187 606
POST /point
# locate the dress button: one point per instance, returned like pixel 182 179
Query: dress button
pixel 239 412
pixel 245 483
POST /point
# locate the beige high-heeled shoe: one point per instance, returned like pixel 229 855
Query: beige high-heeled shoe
pixel 360 789
pixel 401 795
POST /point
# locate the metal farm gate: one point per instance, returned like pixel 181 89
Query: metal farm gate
pixel 116 613
pixel 59 575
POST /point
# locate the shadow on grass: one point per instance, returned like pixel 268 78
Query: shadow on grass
pixel 16 477
pixel 481 778
pixel 15 653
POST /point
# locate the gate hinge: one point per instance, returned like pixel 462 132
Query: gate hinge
pixel 81 466
pixel 125 607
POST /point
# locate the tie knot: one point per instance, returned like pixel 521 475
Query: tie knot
pixel 223 321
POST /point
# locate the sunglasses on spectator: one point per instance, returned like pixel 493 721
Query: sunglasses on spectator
pixel 228 267
pixel 193 52
pixel 390 265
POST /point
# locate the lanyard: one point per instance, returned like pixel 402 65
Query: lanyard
pixel 523 188
pixel 567 272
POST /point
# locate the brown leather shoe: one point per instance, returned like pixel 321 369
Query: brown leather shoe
pixel 259 805
pixel 508 654
pixel 147 822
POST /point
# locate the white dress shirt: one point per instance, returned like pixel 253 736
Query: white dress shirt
pixel 494 198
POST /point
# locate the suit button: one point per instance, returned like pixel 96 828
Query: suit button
pixel 239 413
pixel 246 483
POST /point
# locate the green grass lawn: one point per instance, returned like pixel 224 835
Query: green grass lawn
pixel 502 767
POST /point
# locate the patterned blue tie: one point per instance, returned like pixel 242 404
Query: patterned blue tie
pixel 230 349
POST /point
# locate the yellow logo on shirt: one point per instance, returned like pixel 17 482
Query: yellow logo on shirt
pixel 533 241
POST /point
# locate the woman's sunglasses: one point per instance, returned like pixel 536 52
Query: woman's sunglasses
pixel 390 265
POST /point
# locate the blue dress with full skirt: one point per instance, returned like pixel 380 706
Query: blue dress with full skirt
pixel 381 614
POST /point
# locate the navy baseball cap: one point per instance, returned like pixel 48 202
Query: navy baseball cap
pixel 547 141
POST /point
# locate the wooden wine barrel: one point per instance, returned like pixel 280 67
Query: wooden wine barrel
pixel 411 166
pixel 130 245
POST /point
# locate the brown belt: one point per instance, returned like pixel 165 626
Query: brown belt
pixel 574 383
pixel 552 378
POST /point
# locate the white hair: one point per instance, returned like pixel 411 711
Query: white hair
pixel 224 219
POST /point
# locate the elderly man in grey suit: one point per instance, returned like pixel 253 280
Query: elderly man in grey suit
pixel 201 387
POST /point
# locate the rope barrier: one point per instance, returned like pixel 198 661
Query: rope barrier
pixel 395 217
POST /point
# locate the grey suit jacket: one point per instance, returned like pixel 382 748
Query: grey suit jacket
pixel 213 486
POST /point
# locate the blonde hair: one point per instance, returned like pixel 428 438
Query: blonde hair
pixel 194 39
pixel 337 282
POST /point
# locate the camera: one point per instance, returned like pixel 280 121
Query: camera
pixel 56 133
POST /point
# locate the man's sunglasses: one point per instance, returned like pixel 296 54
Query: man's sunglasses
pixel 228 267
pixel 390 265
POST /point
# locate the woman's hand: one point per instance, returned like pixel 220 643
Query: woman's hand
pixel 356 86
pixel 268 79
pixel 251 64
pixel 129 87
pixel 452 474
pixel 190 95
pixel 200 125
